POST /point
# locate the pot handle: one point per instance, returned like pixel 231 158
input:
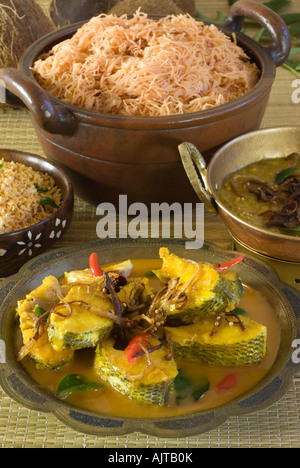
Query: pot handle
pixel 52 118
pixel 195 168
pixel 276 27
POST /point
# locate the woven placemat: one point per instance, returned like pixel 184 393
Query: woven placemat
pixel 278 426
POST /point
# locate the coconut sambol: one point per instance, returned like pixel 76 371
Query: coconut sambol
pixel 147 338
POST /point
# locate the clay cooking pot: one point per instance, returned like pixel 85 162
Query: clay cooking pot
pixel 138 156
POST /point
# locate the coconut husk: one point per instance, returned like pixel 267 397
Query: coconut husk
pixel 188 6
pixel 64 12
pixel 152 7
pixel 22 22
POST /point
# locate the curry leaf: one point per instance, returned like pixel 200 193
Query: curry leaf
pixel 285 174
pixel 181 381
pixel 187 388
pixel 238 311
pixel 297 229
pixel 41 189
pixel 48 201
pixel 75 383
pixel 150 274
pixel 200 390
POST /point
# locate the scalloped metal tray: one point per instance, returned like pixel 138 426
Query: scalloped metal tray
pixel 18 384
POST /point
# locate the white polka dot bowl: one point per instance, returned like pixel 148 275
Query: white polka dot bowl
pixel 16 248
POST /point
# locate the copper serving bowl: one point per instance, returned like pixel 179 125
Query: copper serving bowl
pixel 125 155
pixel 17 248
pixel 241 151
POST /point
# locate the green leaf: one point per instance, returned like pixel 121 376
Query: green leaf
pixel 297 65
pixel 39 311
pixel 294 51
pixel 181 382
pixel 238 311
pixel 289 18
pixel 257 37
pixel 187 388
pixel 41 189
pixel 2 164
pixel 290 67
pixel 48 201
pixel 200 390
pixel 218 19
pixel 296 229
pixel 277 4
pixel 294 29
pixel 283 175
pixel 150 274
pixel 75 383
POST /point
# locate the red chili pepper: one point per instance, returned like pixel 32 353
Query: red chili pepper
pixel 227 383
pixel 134 346
pixel 231 263
pixel 94 266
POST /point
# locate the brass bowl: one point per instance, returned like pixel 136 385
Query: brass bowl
pixel 108 155
pixel 241 151
pixel 20 386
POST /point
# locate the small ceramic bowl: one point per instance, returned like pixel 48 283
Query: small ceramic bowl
pixel 16 248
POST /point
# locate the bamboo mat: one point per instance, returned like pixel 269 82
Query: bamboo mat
pixel 275 427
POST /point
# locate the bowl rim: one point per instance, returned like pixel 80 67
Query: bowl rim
pixel 260 56
pixel 215 193
pixel 69 197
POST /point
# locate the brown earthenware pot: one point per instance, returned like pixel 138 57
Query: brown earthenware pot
pixel 138 156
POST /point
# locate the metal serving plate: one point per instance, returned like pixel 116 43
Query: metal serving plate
pixel 16 382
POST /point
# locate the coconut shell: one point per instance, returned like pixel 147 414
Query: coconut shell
pixel 22 22
pixel 64 12
pixel 152 7
pixel 188 6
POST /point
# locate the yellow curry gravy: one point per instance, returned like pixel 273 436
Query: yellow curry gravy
pixel 108 401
